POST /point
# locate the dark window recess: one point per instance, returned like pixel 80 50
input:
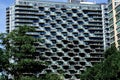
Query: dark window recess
pixel 81 38
pixel 59 30
pixel 53 33
pixel 71 54
pixel 69 14
pixel 42 41
pixel 65 41
pixel 41 8
pixel 80 22
pixel 85 19
pixel 42 24
pixel 66 58
pixel 81 30
pixel 70 22
pixel 54 66
pixel 54 49
pixel 75 34
pixel 47 21
pixel 59 37
pixel 41 16
pixel 77 67
pixel 53 25
pixel 75 18
pixel 70 30
pixel 86 43
pixel 86 27
pixel 65 67
pixel 36 36
pixel 42 33
pixel 81 46
pixel 59 45
pixel 59 21
pixel 48 53
pixel 58 13
pixel 72 63
pixel 76 50
pixel 42 49
pixel 76 42
pixel 82 54
pixel 60 62
pixel 74 10
pixel 82 63
pixel 64 18
pixel 60 54
pixel 54 41
pixel 55 58
pixel 77 76
pixel 70 45
pixel 67 76
pixel 52 9
pixel 86 34
pixel 35 21
pixel 64 33
pixel 64 25
pixel 53 17
pixel 70 38
pixel 80 14
pixel 75 26
pixel 76 58
pixel 65 49
pixel 87 50
pixel 47 29
pixel 48 45
pixel 43 58
pixel 47 12
pixel 64 10
pixel 72 71
pixel 48 37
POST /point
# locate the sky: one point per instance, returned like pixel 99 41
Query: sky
pixel 6 3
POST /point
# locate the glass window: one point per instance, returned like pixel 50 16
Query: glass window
pixel 53 33
pixel 74 10
pixel 47 29
pixel 41 8
pixel 52 9
pixel 75 34
pixel 42 33
pixel 59 37
pixel 59 30
pixel 70 30
pixel 69 14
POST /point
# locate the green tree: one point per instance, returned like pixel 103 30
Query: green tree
pixel 52 76
pixel 21 57
pixel 108 69
pixel 3 60
pixel 21 52
pixel 48 76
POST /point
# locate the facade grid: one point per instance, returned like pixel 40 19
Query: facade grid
pixel 75 35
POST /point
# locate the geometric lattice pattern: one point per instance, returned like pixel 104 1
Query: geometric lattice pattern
pixel 72 33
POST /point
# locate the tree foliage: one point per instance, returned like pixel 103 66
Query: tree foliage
pixel 48 76
pixel 20 58
pixel 21 52
pixel 108 69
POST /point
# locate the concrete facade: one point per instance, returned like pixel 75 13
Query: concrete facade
pixel 75 35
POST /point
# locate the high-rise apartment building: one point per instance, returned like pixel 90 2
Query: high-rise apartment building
pixel 75 35
pixel 114 23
